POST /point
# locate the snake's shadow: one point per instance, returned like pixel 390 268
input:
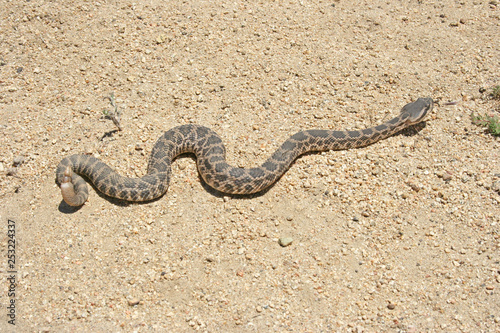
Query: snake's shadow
pixel 67 209
pixel 412 130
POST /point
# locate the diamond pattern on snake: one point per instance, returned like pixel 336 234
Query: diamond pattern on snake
pixel 211 159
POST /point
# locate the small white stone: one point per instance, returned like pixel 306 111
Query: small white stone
pixel 285 241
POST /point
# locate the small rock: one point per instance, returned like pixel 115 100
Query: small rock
pixel 161 39
pixel 1 167
pixel 391 306
pixel 285 241
pixel 18 161
pixel 11 171
pixel 414 186
pixel 496 186
pixel 443 195
pixel 446 177
pixel 134 301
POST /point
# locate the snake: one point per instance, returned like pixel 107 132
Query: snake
pixel 210 154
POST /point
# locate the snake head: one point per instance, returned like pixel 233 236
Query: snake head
pixel 416 111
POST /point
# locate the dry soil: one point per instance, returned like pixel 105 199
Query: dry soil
pixel 400 236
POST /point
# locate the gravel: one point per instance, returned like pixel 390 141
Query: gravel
pixel 400 236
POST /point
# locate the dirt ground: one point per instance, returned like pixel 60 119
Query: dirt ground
pixel 400 236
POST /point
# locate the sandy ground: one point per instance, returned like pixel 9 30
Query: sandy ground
pixel 400 236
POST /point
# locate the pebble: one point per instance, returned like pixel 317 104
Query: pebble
pixel 11 171
pixel 285 241
pixel 134 301
pixel 1 167
pixel 446 177
pixel 496 186
pixel 18 160
pixel 414 186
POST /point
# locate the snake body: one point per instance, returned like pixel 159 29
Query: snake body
pixel 211 159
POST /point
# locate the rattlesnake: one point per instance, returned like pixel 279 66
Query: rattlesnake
pixel 211 160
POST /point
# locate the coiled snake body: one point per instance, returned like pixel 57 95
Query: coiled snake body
pixel 211 160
